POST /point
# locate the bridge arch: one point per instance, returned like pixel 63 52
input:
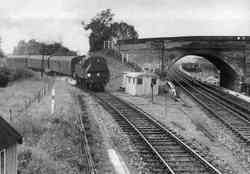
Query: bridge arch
pixel 230 74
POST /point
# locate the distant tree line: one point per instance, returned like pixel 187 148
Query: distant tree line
pixel 33 47
pixel 104 28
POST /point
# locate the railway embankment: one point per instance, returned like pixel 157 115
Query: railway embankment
pixel 19 95
pixel 192 123
pixel 51 141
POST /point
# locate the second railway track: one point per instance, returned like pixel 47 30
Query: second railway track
pixel 230 114
pixel 161 150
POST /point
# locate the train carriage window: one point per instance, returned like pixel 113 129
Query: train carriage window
pixel 153 81
pixel 139 81
pixel 129 78
pixel 2 162
pixel 134 80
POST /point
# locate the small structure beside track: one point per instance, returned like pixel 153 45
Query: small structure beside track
pixel 9 139
pixel 141 83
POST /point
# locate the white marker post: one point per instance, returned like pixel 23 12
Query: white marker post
pixel 53 93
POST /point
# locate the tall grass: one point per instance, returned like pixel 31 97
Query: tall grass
pixel 12 74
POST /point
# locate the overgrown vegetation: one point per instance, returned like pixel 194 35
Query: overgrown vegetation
pixel 104 28
pixel 33 47
pixel 49 149
pixel 4 76
pixel 12 74
pixel 1 53
pixel 51 141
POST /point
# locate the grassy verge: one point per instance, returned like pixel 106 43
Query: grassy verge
pixel 51 141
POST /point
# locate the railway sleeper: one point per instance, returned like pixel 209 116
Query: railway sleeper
pixel 165 140
pixel 187 167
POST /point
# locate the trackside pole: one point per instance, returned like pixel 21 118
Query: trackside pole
pixel 53 93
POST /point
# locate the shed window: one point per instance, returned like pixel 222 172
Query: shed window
pixel 129 78
pixel 153 81
pixel 2 162
pixel 139 81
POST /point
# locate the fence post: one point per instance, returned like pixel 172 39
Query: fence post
pixel 53 92
pixel 10 112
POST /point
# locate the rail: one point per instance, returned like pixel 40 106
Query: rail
pixel 162 142
pixel 85 143
pixel 220 109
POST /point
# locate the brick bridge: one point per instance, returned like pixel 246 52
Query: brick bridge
pixel 230 54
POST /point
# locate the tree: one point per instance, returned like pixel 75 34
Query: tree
pixel 103 28
pixel 33 47
pixel 123 31
pixel 100 29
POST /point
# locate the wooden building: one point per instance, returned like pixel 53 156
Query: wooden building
pixel 9 139
pixel 141 83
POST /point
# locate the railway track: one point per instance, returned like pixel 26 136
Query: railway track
pixel 161 149
pixel 85 149
pixel 221 107
pixel 240 104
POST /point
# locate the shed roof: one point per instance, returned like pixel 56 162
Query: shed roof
pixel 141 74
pixel 8 135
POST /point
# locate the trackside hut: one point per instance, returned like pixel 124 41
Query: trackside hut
pixel 9 138
pixel 139 83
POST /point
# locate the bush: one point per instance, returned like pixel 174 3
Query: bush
pixel 19 74
pixel 11 74
pixel 4 76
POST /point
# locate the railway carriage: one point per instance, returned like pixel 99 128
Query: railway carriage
pixel 191 67
pixel 17 61
pixel 64 65
pixel 35 62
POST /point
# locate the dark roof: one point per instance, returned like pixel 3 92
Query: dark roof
pixel 186 38
pixel 8 135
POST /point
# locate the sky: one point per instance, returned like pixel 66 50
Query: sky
pixel 60 20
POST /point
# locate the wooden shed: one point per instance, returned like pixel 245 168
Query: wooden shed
pixel 9 139
pixel 141 83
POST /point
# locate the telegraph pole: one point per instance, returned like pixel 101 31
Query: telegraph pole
pixel 159 45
